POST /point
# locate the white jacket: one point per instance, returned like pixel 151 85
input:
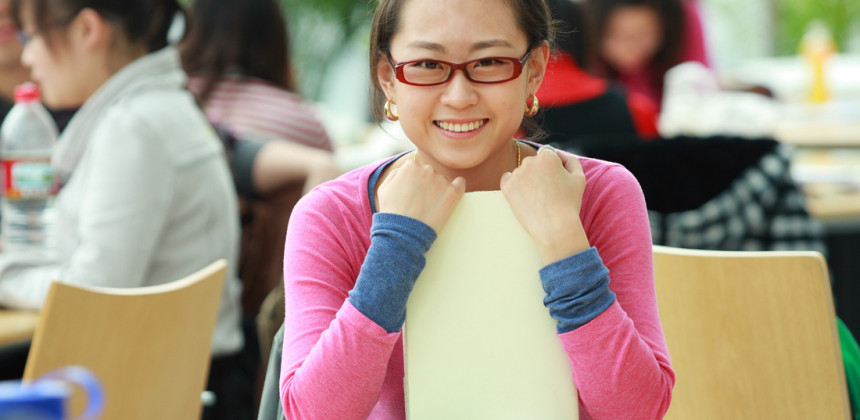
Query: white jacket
pixel 148 196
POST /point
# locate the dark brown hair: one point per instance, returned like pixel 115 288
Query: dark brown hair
pixel 671 14
pixel 250 35
pixel 141 21
pixel 533 18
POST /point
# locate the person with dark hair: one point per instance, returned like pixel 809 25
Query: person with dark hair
pixel 637 41
pixel 582 109
pixel 460 77
pixel 238 59
pixel 146 196
pixel 237 54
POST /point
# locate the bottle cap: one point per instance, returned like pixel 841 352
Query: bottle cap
pixel 27 92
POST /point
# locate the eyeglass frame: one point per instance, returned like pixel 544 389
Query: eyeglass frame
pixel 24 38
pixel 518 69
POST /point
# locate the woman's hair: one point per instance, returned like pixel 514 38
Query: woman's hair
pixel 570 28
pixel 532 16
pixel 671 14
pixel 248 35
pixel 141 21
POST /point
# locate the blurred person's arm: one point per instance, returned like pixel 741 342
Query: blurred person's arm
pixel 280 164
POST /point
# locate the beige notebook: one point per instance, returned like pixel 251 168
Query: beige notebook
pixel 479 343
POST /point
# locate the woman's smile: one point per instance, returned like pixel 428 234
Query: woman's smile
pixel 460 127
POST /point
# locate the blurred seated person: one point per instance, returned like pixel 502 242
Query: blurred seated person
pixel 146 196
pixel 719 192
pixel 637 41
pixel 237 55
pixel 580 108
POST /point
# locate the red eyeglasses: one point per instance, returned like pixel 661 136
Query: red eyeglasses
pixel 485 70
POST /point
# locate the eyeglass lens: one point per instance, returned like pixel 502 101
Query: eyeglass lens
pixel 481 70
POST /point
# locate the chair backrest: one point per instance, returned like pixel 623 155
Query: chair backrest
pixel 752 335
pixel 150 346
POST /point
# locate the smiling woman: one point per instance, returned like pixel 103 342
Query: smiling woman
pixel 462 85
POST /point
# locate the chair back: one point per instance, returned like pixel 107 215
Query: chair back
pixel 752 335
pixel 150 346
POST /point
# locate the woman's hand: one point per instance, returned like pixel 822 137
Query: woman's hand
pixel 545 194
pixel 419 192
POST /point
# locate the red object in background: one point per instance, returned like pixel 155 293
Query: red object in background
pixel 566 83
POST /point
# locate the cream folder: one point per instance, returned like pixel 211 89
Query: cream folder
pixel 479 342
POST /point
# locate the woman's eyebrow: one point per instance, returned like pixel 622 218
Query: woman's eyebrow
pixel 433 46
pixel 491 43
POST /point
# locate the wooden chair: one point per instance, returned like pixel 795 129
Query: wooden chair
pixel 752 335
pixel 150 346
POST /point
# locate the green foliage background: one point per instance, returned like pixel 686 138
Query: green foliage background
pixel 793 16
pixel 319 30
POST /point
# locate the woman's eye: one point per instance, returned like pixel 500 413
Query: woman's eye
pixel 427 65
pixel 487 62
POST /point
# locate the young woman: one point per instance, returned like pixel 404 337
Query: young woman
pixel 237 56
pixel 146 194
pixel 637 41
pixel 581 110
pixel 460 75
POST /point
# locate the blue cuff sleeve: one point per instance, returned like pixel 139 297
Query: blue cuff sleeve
pixel 393 262
pixel 577 289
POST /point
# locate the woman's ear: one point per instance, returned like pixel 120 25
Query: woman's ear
pixel 385 75
pixel 537 66
pixel 90 30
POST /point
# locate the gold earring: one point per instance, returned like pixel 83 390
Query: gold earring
pixel 531 111
pixel 392 116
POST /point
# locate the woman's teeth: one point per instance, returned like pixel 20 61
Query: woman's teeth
pixel 460 128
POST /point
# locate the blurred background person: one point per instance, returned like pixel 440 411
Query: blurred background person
pixel 581 109
pixel 637 41
pixel 146 194
pixel 237 55
pixel 238 58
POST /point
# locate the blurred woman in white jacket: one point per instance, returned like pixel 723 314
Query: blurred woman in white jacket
pixel 146 194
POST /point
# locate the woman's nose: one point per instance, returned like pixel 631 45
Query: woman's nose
pixel 459 91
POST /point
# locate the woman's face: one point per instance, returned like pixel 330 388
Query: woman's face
pixel 59 70
pixel 632 37
pixel 461 125
pixel 10 47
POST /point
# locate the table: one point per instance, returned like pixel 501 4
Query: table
pixel 835 123
pixel 17 326
pixel 826 164
pixel 830 178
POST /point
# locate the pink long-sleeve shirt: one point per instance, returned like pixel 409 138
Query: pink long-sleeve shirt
pixel 339 364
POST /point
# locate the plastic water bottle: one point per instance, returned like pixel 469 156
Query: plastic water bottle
pixel 27 139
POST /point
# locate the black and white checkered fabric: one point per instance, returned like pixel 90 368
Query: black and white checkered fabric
pixel 761 210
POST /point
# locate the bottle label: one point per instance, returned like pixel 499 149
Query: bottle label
pixel 26 179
